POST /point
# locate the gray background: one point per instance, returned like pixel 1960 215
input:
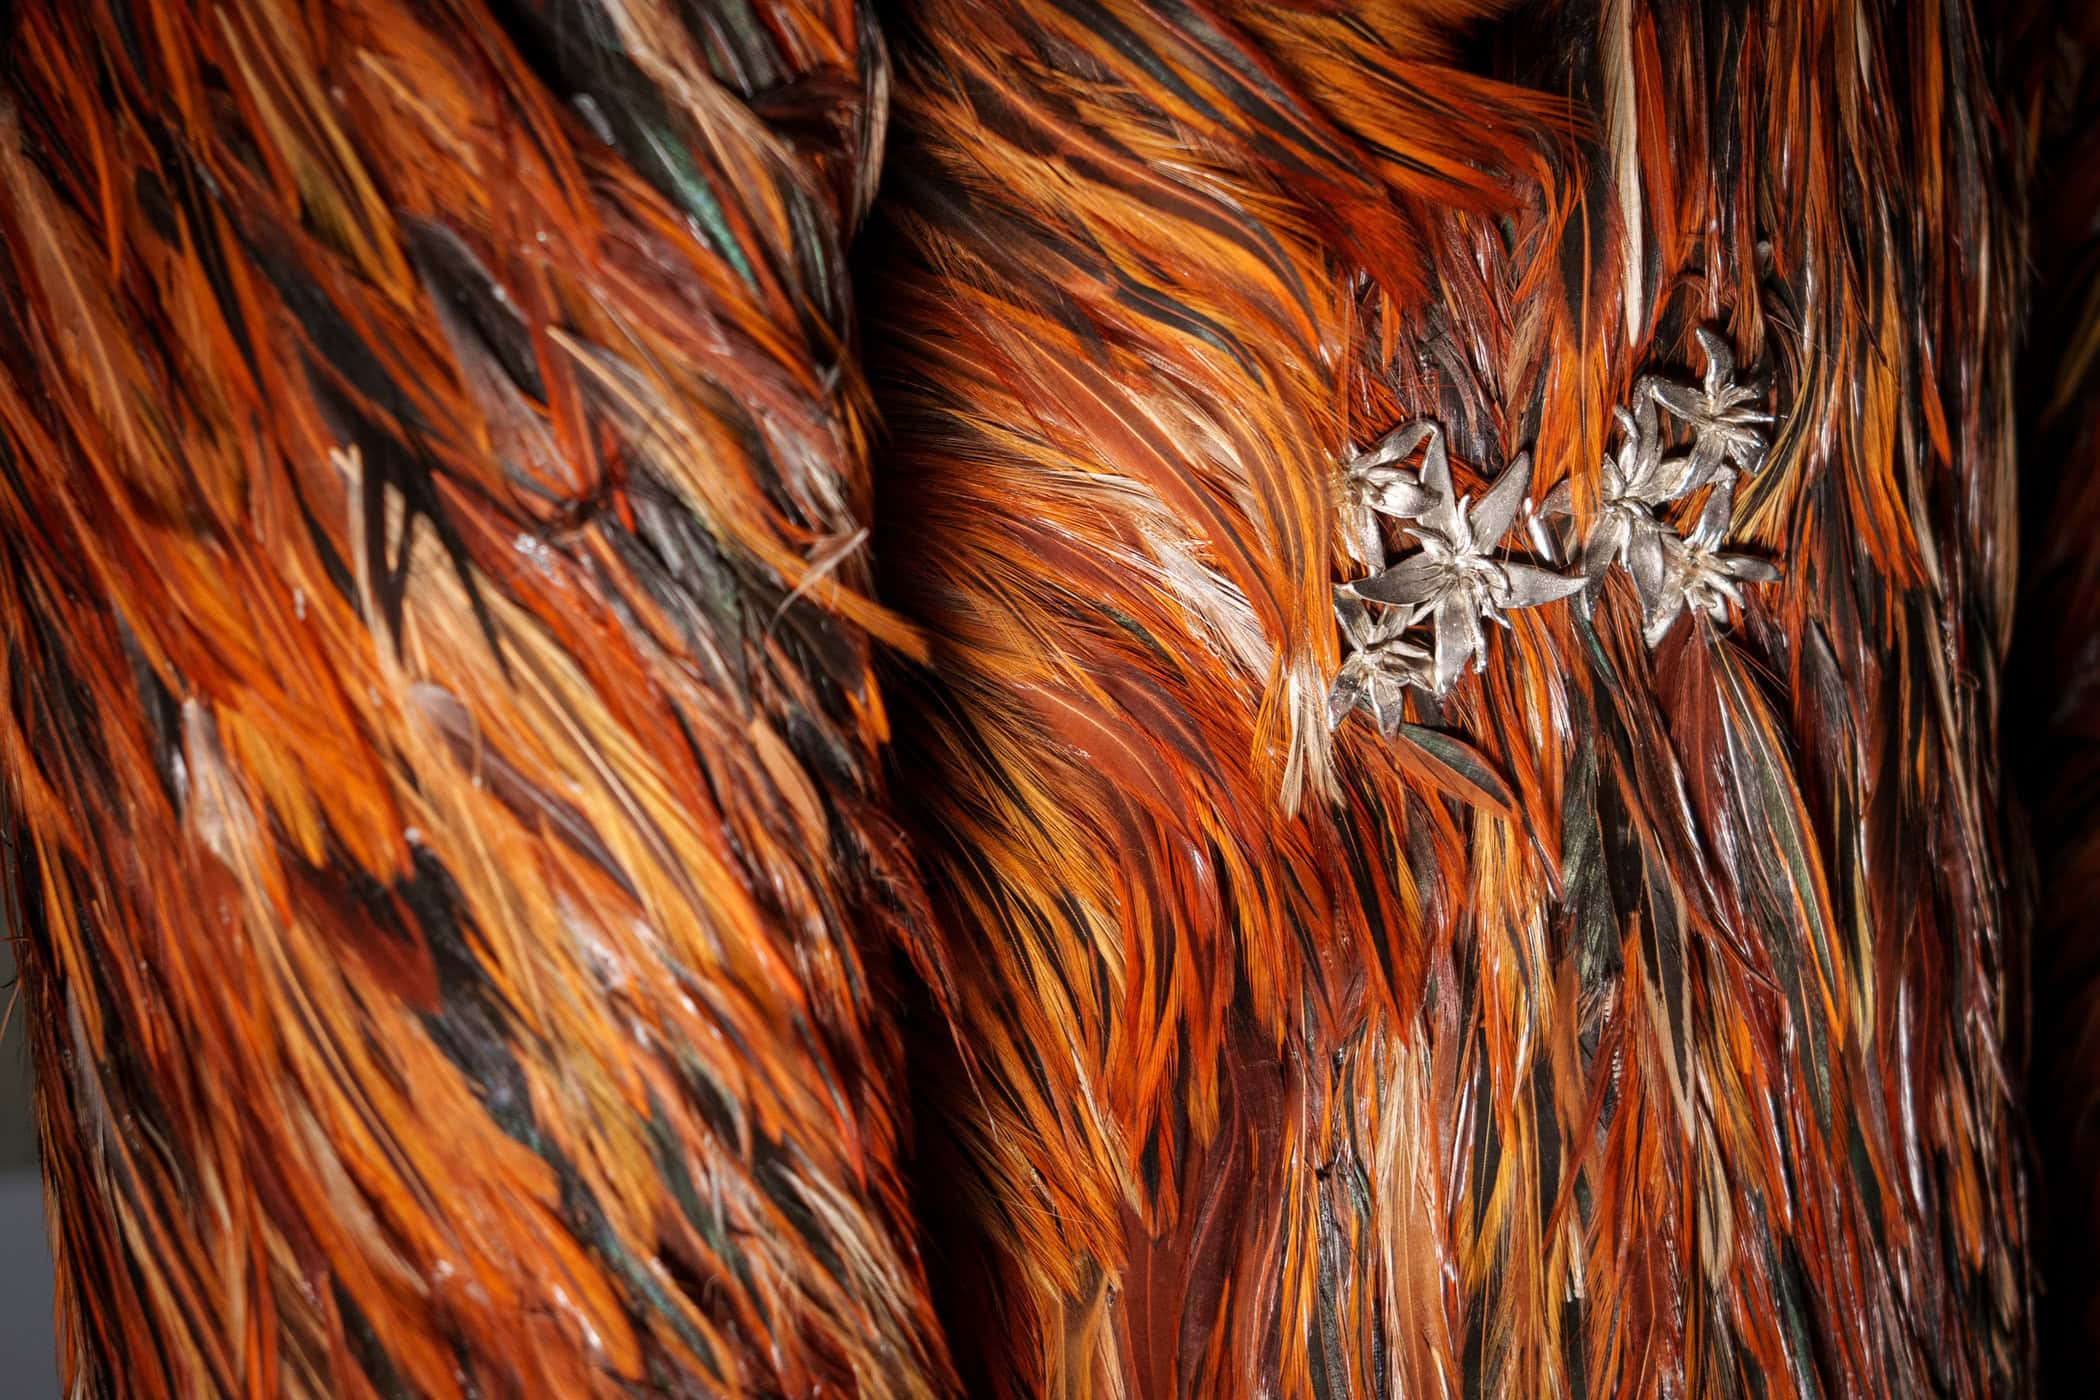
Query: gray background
pixel 28 1361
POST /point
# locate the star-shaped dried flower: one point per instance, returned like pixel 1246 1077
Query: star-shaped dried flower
pixel 1452 578
pixel 1694 575
pixel 1640 470
pixel 1635 479
pixel 1376 484
pixel 1382 665
pixel 1727 434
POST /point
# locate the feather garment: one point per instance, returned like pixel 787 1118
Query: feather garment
pixel 441 779
pixel 1626 1020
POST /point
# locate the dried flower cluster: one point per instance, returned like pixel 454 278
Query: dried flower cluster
pixel 1416 620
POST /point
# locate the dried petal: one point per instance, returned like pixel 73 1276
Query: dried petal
pixel 1528 585
pixel 1458 638
pixel 1682 400
pixel 1411 583
pixel 1750 570
pixel 1714 517
pixel 1496 511
pixel 1442 516
pixel 1645 561
pixel 1398 493
pixel 1606 544
pixel 1720 358
pixel 1397 445
pixel 1357 624
pixel 1346 694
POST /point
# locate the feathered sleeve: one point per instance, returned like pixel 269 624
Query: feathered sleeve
pixel 1625 1004
pixel 441 761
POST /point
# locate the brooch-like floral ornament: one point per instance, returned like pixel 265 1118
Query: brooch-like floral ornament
pixel 1727 433
pixel 1458 576
pixel 1381 665
pixel 1453 579
pixel 1697 576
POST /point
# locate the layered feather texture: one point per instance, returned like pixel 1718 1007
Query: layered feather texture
pixel 440 742
pixel 463 927
pixel 1631 1022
